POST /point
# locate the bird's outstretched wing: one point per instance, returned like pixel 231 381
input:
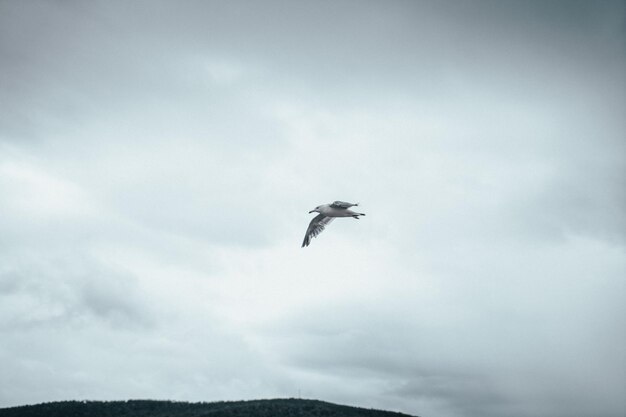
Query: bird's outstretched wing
pixel 343 205
pixel 315 228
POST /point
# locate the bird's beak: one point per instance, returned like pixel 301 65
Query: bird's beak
pixel 311 211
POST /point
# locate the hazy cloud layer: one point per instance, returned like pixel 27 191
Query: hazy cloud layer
pixel 158 160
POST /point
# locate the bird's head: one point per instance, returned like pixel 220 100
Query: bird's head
pixel 316 209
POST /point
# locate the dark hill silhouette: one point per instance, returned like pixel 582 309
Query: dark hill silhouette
pixel 148 408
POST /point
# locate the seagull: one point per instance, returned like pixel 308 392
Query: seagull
pixel 327 212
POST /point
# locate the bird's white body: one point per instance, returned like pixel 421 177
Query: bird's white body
pixel 329 211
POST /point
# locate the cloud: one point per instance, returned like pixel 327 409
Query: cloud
pixel 157 161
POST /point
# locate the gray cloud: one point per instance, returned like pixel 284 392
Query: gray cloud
pixel 146 147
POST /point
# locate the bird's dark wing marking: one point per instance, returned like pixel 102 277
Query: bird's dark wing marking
pixel 315 228
pixel 342 205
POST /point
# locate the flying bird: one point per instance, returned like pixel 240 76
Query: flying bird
pixel 327 212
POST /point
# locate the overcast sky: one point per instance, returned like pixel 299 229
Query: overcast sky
pixel 158 160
